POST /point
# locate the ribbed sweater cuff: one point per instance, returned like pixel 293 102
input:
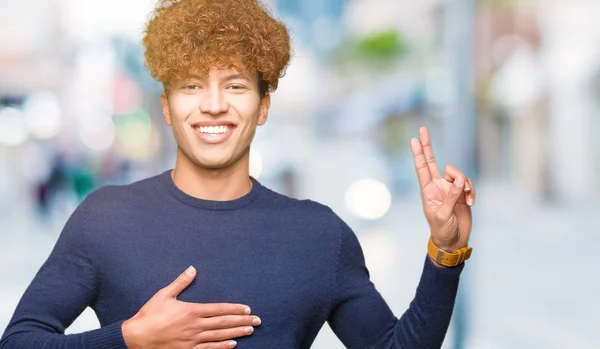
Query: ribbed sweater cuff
pixel 439 282
pixel 110 336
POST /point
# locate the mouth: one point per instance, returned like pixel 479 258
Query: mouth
pixel 213 134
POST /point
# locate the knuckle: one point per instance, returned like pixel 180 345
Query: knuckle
pixel 222 321
pixel 219 335
pixel 431 159
pixel 456 190
pixel 439 217
pixel 201 325
pixel 181 280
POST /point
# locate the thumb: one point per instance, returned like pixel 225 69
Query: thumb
pixel 454 193
pixel 181 283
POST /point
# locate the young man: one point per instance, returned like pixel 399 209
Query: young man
pixel 267 271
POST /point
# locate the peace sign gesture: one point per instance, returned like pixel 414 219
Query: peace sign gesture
pixel 446 200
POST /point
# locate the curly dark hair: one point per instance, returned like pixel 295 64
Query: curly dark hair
pixel 182 36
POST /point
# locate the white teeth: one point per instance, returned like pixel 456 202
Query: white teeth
pixel 213 129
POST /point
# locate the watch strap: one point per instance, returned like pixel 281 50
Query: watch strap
pixel 448 259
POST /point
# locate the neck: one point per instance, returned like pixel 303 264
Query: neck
pixel 213 184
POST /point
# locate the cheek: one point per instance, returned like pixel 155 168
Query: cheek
pixel 180 110
pixel 247 109
pixel 182 107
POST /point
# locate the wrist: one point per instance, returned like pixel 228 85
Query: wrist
pixel 436 263
pixel 442 257
pixel 447 246
pixel 132 335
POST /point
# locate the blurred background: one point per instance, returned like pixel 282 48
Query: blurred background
pixel 510 91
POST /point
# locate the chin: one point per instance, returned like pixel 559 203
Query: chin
pixel 215 163
pixel 213 160
pixel 212 165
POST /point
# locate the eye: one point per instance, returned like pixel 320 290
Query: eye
pixel 236 87
pixel 190 87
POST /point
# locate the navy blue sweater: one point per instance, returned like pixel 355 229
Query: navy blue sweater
pixel 294 262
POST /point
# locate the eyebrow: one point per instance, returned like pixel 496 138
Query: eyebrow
pixel 236 76
pixel 227 78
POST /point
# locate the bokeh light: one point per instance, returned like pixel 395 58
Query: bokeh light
pixel 256 163
pixel 43 115
pixel 13 130
pixel 135 135
pixel 368 199
pixel 100 138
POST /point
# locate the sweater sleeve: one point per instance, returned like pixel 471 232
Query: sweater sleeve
pixel 63 287
pixel 362 319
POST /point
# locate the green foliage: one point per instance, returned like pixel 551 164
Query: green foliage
pixel 377 50
pixel 384 45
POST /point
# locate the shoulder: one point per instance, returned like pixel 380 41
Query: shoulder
pixel 311 215
pixel 301 207
pixel 118 197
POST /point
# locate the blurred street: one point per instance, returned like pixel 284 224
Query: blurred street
pixel 529 282
pixel 509 91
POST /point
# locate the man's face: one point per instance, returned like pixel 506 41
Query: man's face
pixel 214 116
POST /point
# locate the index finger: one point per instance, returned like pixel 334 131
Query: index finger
pixel 219 309
pixel 428 151
pixel 420 163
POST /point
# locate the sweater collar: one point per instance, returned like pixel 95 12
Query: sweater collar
pixel 167 182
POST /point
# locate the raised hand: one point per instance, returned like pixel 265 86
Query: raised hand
pixel 446 200
pixel 165 322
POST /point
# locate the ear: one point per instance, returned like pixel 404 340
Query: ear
pixel 164 100
pixel 263 113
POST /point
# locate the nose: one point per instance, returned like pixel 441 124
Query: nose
pixel 213 102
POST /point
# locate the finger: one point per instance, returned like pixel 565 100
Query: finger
pixel 229 321
pixel 224 334
pixel 451 173
pixel 428 152
pixel 181 283
pixel 420 164
pixel 471 194
pixel 454 193
pixel 217 345
pixel 218 309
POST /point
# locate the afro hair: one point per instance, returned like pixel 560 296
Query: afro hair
pixel 187 36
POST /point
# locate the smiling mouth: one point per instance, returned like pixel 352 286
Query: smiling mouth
pixel 214 134
pixel 214 130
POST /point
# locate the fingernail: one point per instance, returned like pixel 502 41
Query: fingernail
pixel 247 310
pixel 256 321
pixel 458 182
pixel 190 271
pixel 467 186
pixel 470 201
pixel 249 330
pixel 232 344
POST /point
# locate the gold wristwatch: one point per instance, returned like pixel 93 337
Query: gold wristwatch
pixel 448 259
